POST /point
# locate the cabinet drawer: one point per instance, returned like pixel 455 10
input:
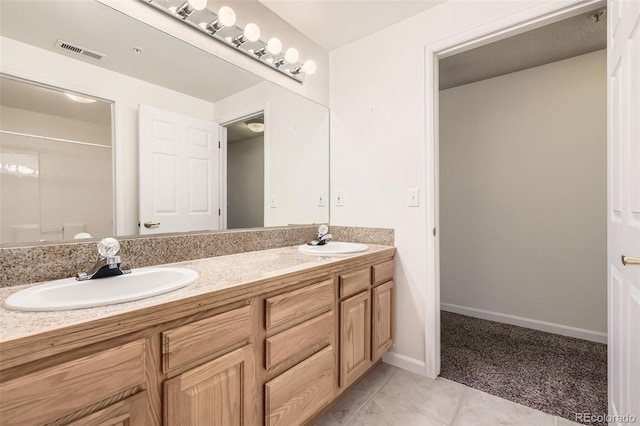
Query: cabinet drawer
pixel 282 346
pixel 68 387
pixel 383 272
pixel 188 343
pixel 298 305
pixel 297 394
pixel 354 282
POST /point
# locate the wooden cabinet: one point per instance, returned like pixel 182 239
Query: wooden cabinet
pixel 295 396
pixel 366 319
pixel 129 412
pixel 62 390
pixel 273 353
pixel 382 308
pixel 219 392
pixel 355 337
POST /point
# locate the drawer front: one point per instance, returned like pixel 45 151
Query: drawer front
pixel 383 272
pixel 318 331
pixel 296 306
pixel 302 391
pixel 354 282
pixel 68 387
pixel 188 343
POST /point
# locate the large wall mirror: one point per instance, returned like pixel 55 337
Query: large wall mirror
pixel 109 124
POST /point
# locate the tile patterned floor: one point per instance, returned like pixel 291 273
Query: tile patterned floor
pixel 391 397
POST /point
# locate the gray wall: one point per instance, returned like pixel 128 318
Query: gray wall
pixel 245 183
pixel 523 194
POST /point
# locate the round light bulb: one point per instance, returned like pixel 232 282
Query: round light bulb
pixel 274 46
pixel 291 55
pixel 226 16
pixel 252 32
pixel 309 67
pixel 197 4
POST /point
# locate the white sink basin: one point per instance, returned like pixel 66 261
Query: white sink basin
pixel 70 293
pixel 333 248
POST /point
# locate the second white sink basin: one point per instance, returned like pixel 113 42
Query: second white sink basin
pixel 70 293
pixel 333 248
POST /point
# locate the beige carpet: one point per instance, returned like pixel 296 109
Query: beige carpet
pixel 555 374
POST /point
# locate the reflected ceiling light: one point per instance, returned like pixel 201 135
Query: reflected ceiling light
pixel 226 18
pixel 255 125
pixel 243 40
pixel 190 6
pixel 80 99
pixel 273 46
pixel 251 33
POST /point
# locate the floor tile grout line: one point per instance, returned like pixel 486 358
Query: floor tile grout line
pixel 369 398
pixel 459 405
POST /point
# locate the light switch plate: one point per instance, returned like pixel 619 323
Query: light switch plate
pixel 413 197
pixel 274 201
pixel 321 200
pixel 339 198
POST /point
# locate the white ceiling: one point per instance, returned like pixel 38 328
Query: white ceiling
pixel 335 23
pixel 561 40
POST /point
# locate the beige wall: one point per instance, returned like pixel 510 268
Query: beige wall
pixel 523 194
pixel 245 183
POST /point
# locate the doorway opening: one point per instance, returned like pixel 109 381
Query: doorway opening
pixel 508 145
pixel 245 172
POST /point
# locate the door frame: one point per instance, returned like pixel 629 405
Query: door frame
pixel 528 19
pixel 224 122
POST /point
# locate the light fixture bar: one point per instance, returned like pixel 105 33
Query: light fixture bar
pixel 195 13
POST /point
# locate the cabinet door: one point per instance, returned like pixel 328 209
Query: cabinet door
pixel 355 337
pixel 129 412
pixel 220 392
pixel 382 324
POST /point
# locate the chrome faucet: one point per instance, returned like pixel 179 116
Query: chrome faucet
pixel 108 264
pixel 322 237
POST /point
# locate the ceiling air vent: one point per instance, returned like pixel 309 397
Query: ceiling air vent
pixel 80 50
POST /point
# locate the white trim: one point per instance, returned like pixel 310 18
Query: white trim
pixel 233 118
pixel 530 18
pixel 404 362
pixel 549 327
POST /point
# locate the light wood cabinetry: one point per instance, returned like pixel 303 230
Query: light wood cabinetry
pixel 219 392
pixel 366 319
pixel 382 308
pixel 275 352
pixel 71 386
pixel 295 396
pixel 355 337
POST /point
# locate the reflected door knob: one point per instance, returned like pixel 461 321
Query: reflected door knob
pixel 151 224
pixel 626 260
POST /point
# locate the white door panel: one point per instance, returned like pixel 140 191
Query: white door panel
pixel 624 207
pixel 179 172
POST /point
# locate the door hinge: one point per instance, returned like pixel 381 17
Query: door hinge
pixel 218 144
pixel 434 231
pixel 219 212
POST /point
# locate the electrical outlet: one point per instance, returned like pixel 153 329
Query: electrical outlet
pixel 274 201
pixel 413 197
pixel 339 198
pixel 321 200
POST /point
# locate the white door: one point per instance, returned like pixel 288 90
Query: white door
pixel 624 208
pixel 179 172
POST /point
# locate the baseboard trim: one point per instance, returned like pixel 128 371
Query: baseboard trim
pixel 405 363
pixel 564 330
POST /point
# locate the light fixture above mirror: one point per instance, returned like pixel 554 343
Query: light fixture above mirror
pixel 222 27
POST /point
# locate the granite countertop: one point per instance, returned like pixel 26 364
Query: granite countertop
pixel 216 273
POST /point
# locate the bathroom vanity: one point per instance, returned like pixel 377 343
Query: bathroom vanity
pixel 269 337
